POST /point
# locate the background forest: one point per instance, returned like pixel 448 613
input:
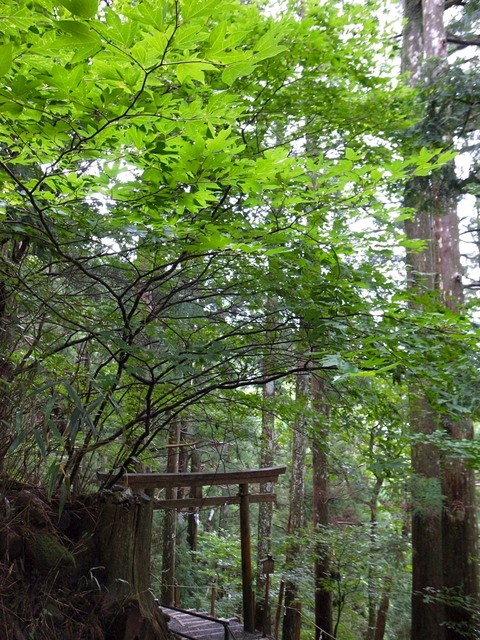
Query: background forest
pixel 238 235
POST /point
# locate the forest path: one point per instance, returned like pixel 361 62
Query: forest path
pixel 200 626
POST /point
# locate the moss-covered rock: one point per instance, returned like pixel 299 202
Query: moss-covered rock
pixel 46 552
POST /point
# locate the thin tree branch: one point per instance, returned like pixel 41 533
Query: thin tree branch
pixel 472 41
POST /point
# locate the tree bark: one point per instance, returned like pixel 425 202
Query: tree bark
pixel 292 619
pixel 123 541
pixel 460 553
pixel 459 521
pixel 170 523
pixel 194 512
pixel 320 433
pixel 381 621
pixel 427 607
pixel 444 540
pixel 265 509
pixel 12 254
pixel 372 598
pixel 246 548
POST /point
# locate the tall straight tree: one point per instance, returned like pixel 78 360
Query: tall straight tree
pixel 170 520
pixel 265 510
pixel 320 432
pixel 291 619
pixel 444 537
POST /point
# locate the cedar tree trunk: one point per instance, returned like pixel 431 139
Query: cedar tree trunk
pixel 291 619
pixel 265 509
pixel 323 592
pixel 170 522
pixel 444 537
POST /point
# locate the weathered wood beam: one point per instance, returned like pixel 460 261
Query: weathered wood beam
pixel 197 479
pixel 213 501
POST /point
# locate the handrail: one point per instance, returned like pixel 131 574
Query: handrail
pixel 224 623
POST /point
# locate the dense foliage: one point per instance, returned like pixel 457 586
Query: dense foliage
pixel 201 197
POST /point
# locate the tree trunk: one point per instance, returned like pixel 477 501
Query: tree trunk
pixel 381 621
pixel 372 598
pixel 193 513
pixel 291 620
pixel 265 509
pixel 320 432
pixel 445 575
pixel 170 523
pixel 427 606
pixel 460 553
pixel 123 541
pixel 12 253
pixel 459 521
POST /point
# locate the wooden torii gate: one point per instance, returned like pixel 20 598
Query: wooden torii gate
pixel 149 481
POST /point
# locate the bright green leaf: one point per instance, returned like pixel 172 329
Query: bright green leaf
pixel 236 70
pixel 5 58
pixel 196 8
pixel 81 8
pixel 81 32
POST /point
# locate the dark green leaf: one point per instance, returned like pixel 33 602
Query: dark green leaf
pixel 41 444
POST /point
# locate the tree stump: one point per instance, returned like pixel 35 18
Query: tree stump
pixel 123 538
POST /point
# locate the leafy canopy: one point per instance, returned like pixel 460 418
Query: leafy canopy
pixel 166 167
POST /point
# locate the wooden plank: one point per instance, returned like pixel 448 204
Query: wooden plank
pixel 196 479
pixel 213 501
pixel 185 624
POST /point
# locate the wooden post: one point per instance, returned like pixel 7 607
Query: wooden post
pixel 213 597
pixel 266 608
pixel 279 609
pixel 247 578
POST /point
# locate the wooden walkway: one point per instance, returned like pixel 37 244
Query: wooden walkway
pixel 200 626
